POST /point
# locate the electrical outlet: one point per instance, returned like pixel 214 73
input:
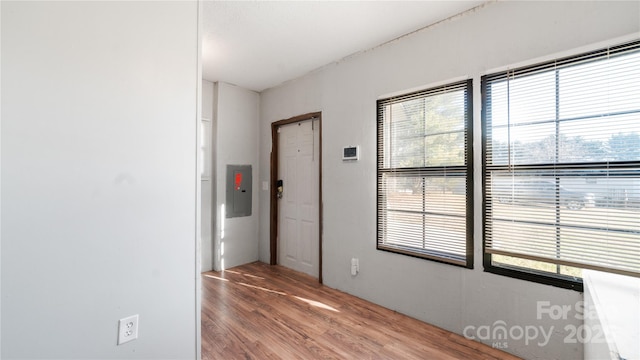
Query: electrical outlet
pixel 127 329
pixel 355 266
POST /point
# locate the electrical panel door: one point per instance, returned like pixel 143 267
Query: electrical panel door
pixel 238 202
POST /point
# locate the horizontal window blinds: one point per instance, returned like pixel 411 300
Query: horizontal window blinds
pixel 424 173
pixel 562 163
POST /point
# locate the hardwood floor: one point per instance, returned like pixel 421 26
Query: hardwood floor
pixel 257 311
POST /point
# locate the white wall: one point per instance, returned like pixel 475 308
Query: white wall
pixel 207 179
pixel 0 181
pixel 497 35
pixel 236 143
pixel 99 178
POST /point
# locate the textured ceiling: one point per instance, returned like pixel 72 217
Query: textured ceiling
pixel 261 44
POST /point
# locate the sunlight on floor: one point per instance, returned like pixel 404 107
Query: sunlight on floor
pixel 245 274
pixel 316 304
pixel 254 276
pixel 214 277
pixel 261 288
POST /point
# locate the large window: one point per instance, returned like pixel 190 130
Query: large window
pixel 562 167
pixel 425 173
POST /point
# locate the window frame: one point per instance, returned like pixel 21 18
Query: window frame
pixel 538 276
pixel 468 261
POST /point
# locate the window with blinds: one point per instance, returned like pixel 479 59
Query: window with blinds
pixel 561 167
pixel 425 174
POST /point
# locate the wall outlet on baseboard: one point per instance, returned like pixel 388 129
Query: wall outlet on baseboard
pixel 355 266
pixel 127 329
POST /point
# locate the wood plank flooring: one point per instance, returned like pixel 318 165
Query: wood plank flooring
pixel 257 311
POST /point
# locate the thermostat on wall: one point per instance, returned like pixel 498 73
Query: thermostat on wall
pixel 350 153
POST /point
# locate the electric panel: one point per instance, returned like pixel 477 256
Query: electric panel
pixel 239 190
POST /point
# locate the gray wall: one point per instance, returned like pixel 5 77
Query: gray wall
pixel 495 36
pixel 236 112
pixel 99 178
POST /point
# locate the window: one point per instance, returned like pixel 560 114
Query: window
pixel 561 167
pixel 425 170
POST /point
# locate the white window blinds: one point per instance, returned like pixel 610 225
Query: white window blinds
pixel 562 165
pixel 424 174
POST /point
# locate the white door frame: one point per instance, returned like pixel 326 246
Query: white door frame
pixel 274 179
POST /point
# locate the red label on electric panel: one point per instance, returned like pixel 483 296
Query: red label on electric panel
pixel 238 180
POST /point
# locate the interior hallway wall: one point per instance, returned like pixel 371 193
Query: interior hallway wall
pixel 99 178
pixel 236 112
pixel 207 198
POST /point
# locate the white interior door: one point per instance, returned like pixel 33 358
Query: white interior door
pixel 298 209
